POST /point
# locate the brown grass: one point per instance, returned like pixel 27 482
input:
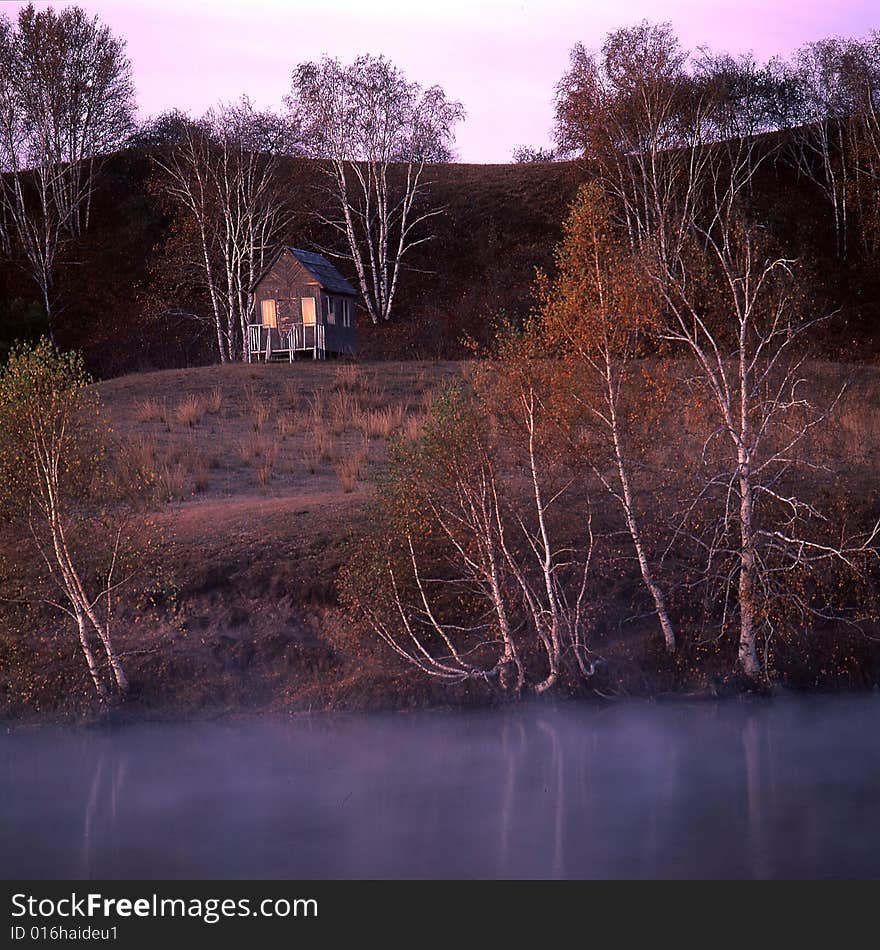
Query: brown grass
pixel 315 407
pixel 171 481
pixel 312 457
pixel 140 455
pixel 200 469
pixel 288 424
pixel 413 426
pixel 343 409
pixel 314 422
pixel 349 470
pixel 348 378
pixel 214 400
pixel 381 423
pixel 150 410
pixel 375 397
pixel 260 416
pixel 253 447
pixel 266 467
pixel 323 442
pixel 190 410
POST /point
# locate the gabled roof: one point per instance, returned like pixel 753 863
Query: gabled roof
pixel 319 267
pixel 324 272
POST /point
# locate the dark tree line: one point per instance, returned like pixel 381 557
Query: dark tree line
pixel 631 107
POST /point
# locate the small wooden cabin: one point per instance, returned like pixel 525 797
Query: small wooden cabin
pixel 302 305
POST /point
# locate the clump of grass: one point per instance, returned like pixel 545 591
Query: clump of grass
pixel 150 410
pixel 315 410
pixel 312 457
pixel 266 468
pixel 287 424
pixel 140 456
pixel 134 469
pixel 171 481
pixel 258 407
pixel 190 411
pixel 214 400
pixel 252 448
pixel 348 378
pixel 373 397
pixel 322 441
pixel 413 427
pixel 381 423
pixel 200 471
pixel 343 408
pixel 349 470
pixel 260 416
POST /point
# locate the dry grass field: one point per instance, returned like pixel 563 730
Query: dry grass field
pixel 304 433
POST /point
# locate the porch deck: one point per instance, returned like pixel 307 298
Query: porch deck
pixel 315 339
pixel 268 343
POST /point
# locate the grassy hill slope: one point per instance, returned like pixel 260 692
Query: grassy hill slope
pixel 121 286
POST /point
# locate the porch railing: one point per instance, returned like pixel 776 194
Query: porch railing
pixel 264 342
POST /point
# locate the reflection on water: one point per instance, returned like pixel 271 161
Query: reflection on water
pixel 768 789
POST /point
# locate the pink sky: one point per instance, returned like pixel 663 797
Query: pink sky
pixel 501 58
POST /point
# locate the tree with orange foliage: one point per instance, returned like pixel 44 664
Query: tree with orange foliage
pixel 598 311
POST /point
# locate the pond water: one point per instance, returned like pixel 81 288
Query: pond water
pixel 780 788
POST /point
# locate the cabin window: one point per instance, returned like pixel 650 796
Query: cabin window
pixel 269 314
pixel 346 313
pixel 331 310
pixel 308 311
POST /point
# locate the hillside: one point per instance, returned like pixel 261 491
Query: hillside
pixel 122 286
pixel 249 484
pixel 500 223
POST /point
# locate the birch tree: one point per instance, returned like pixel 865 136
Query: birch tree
pixel 66 100
pixel 597 312
pixel 733 308
pixel 465 575
pixel 676 166
pixel 633 113
pixel 376 132
pixel 225 172
pixel 866 161
pixel 49 467
pixel 838 89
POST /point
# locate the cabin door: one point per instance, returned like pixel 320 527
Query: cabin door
pixel 308 311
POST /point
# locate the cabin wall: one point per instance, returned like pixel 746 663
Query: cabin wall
pixel 287 283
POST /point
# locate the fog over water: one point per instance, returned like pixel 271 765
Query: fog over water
pixel 781 788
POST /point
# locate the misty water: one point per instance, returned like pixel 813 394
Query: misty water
pixel 781 788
